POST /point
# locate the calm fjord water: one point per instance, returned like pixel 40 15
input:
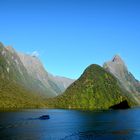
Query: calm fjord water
pixel 70 125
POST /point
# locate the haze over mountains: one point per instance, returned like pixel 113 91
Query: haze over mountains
pixel 55 84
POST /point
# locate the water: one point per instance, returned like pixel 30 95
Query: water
pixel 70 125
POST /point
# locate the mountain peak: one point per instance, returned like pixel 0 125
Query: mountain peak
pixel 117 58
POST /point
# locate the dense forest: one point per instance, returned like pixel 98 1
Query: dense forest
pixel 95 89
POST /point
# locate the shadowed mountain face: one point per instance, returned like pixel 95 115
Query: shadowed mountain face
pixel 24 80
pixel 95 89
pixel 118 68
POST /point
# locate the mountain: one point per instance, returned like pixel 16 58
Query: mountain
pixel 119 69
pixel 17 87
pixel 62 82
pixel 26 84
pixel 54 85
pixel 95 89
pixel 25 87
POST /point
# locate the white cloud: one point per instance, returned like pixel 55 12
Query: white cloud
pixel 35 53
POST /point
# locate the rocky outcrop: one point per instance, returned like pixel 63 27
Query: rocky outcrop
pixel 118 68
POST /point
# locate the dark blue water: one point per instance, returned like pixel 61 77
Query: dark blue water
pixel 70 125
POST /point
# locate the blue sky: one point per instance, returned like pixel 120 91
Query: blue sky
pixel 69 35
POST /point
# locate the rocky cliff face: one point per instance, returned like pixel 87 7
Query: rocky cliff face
pixel 24 80
pixel 29 72
pixel 56 85
pixel 17 88
pixel 118 68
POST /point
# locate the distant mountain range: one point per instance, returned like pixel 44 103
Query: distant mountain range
pixel 24 80
pixel 101 88
pixel 26 84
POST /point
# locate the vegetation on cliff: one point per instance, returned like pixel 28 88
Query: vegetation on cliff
pixel 95 89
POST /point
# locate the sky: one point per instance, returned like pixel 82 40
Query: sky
pixel 69 35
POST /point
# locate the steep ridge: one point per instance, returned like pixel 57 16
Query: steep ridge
pixel 22 87
pixel 95 89
pixel 26 78
pixel 16 87
pixel 26 84
pixel 55 85
pixel 118 68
